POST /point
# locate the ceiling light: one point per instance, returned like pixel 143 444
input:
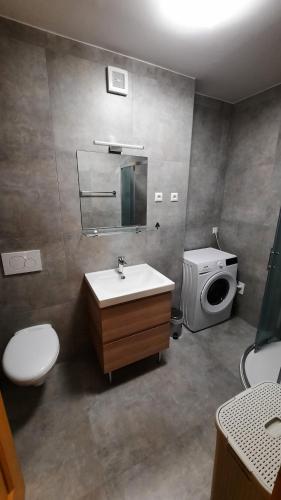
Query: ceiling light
pixel 203 14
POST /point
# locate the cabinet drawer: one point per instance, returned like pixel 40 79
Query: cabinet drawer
pixel 135 347
pixel 122 320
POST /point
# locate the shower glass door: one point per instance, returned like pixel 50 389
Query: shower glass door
pixel 269 328
pixel 128 195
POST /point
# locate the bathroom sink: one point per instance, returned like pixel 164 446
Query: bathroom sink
pixel 140 281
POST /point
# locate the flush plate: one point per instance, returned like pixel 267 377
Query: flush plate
pixel 21 262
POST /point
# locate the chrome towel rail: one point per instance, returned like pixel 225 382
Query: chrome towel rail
pixel 98 194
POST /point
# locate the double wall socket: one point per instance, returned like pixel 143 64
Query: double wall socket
pixel 159 197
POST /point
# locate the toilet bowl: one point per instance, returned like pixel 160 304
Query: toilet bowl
pixel 30 355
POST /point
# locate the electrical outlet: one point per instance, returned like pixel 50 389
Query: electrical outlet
pixel 158 197
pixel 241 287
pixel 174 196
pixel 215 230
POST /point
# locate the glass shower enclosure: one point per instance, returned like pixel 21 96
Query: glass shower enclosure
pixel 261 361
pixel 133 194
pixel 269 328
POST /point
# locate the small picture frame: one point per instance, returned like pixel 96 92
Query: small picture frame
pixel 117 80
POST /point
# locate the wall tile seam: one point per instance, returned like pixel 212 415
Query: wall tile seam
pixel 225 157
pixel 278 142
pixel 189 163
pixel 54 150
pixel 189 166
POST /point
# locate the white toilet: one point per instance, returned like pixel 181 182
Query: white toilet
pixel 31 354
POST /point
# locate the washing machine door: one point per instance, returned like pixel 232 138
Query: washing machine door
pixel 218 292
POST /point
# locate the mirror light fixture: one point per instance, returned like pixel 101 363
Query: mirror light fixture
pixel 118 144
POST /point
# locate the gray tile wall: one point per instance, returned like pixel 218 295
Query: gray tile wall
pixel 53 102
pixel 252 193
pixel 235 183
pixel 210 138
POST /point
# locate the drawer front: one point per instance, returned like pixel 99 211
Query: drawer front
pixel 125 319
pixel 135 347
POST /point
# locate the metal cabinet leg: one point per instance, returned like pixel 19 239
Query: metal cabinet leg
pixel 159 357
pixel 110 377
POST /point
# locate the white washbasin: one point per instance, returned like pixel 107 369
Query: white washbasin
pixel 140 281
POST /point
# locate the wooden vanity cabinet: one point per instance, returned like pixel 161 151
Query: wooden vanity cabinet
pixel 127 332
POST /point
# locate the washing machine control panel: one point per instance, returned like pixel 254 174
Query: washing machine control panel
pixel 208 267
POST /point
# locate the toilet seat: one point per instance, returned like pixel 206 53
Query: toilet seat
pixel 30 354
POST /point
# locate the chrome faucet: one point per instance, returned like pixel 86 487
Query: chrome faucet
pixel 121 262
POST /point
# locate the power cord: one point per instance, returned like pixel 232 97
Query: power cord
pixel 215 232
pixel 217 240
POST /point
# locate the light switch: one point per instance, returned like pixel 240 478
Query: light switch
pixel 174 196
pixel 158 197
pixel 21 262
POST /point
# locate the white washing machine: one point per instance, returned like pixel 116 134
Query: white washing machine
pixel 209 287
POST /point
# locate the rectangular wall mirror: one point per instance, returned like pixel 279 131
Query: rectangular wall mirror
pixel 113 190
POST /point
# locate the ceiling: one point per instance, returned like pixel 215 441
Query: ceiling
pixel 230 61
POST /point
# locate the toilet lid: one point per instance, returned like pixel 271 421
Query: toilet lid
pixel 31 352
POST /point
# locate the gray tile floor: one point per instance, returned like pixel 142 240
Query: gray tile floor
pixel 149 436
